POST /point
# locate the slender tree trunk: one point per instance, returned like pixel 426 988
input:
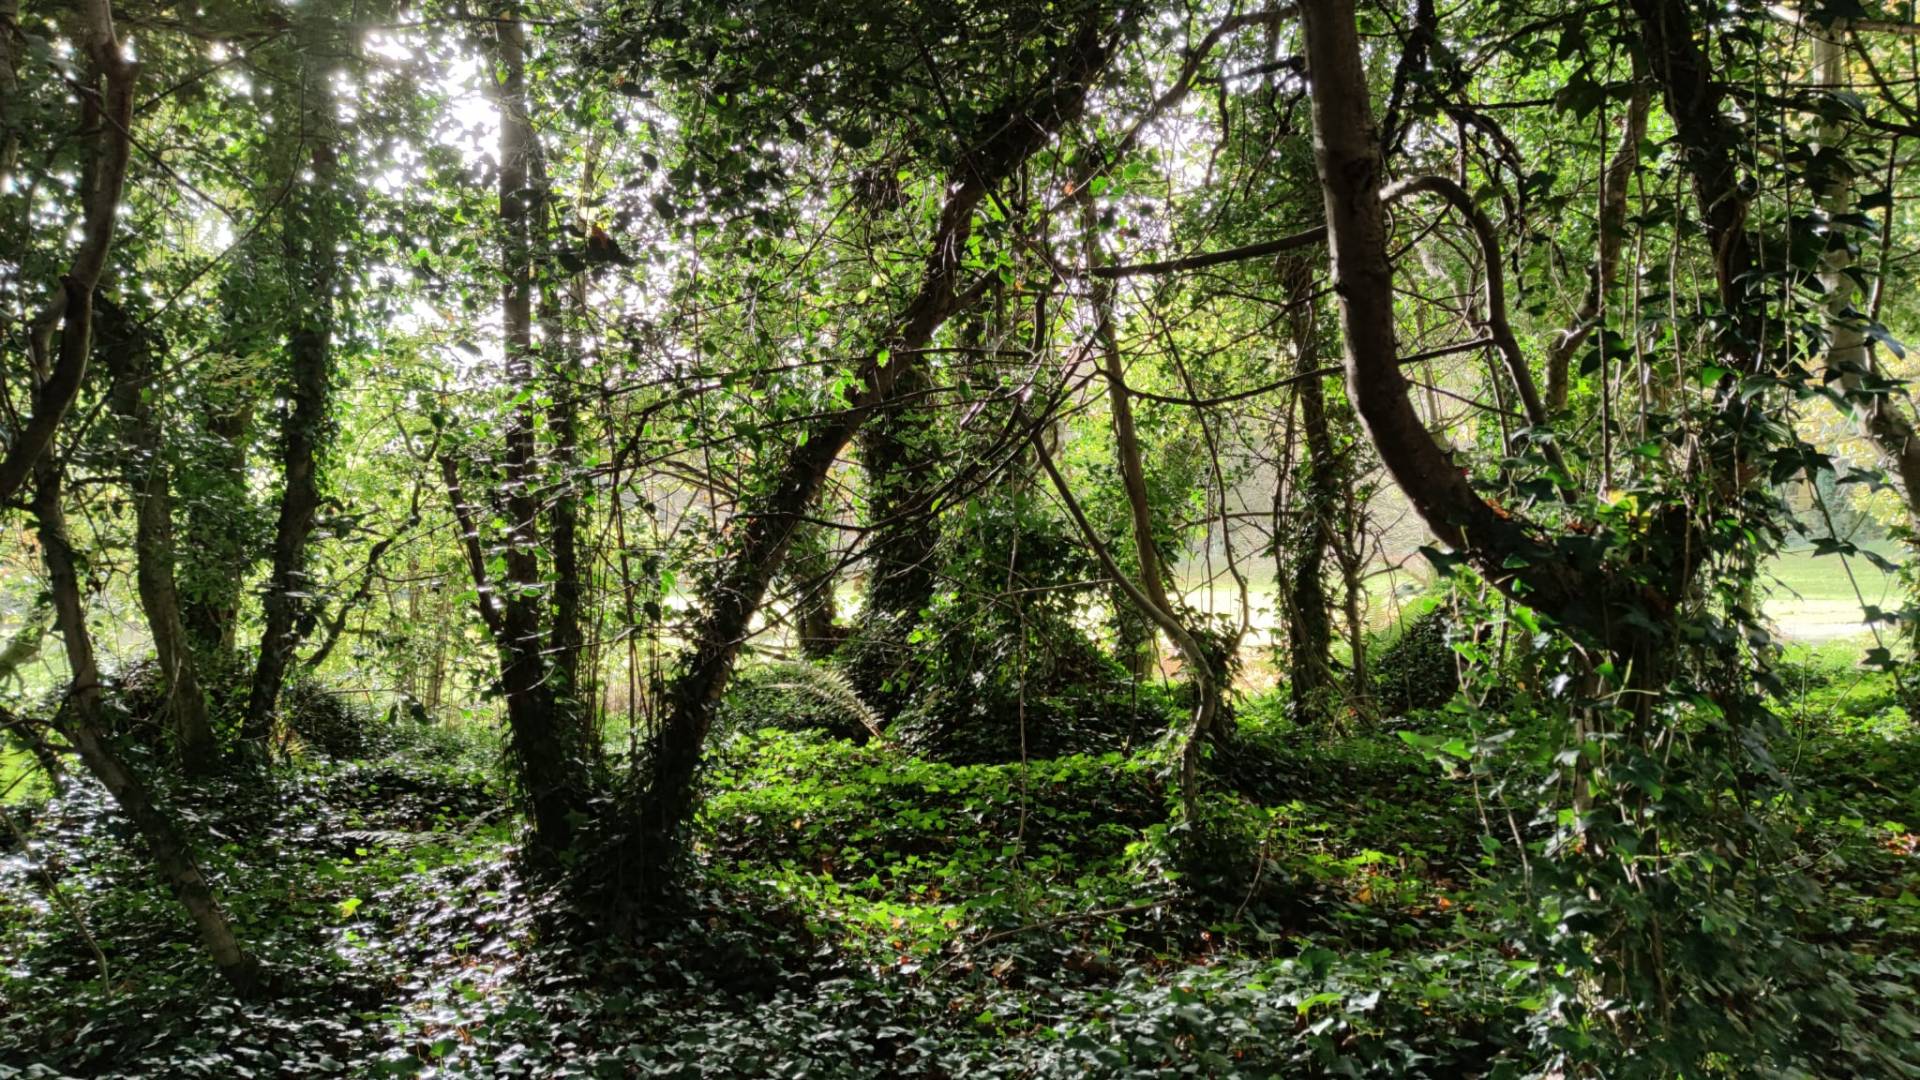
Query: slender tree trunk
pixel 1611 232
pixel 310 232
pixel 1151 596
pixel 1200 666
pixel 85 730
pixel 1850 361
pixel 1316 492
pixel 551 745
pixel 11 45
pixel 768 525
pixel 1126 438
pixel 558 348
pixel 106 117
pixel 128 350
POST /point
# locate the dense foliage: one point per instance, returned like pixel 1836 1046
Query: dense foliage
pixel 1017 538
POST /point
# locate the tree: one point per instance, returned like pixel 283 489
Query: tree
pixel 1010 133
pixel 310 238
pixel 107 107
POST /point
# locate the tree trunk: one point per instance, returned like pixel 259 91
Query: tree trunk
pixel 1151 596
pixel 811 571
pixel 85 730
pixel 1126 439
pixel 551 745
pixel 900 461
pixel 1347 154
pixel 1317 495
pixel 128 350
pixel 106 107
pixel 767 526
pixel 1850 361
pixel 11 52
pixel 563 375
pixel 311 225
pixel 1611 232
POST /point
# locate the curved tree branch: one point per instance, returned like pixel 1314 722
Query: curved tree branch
pixel 1347 154
pixel 1498 326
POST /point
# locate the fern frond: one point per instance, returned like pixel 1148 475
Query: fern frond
pixel 830 685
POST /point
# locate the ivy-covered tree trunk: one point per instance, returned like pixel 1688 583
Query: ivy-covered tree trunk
pixel 211 492
pixel 128 349
pixel 901 463
pixel 310 239
pixel 811 572
pixel 560 354
pixel 654 837
pixel 1316 497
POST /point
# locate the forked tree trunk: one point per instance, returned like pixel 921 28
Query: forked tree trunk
pixel 1347 153
pixel 108 109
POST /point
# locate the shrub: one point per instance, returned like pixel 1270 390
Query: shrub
pixel 329 724
pixel 1414 667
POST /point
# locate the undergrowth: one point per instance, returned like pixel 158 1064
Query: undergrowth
pixel 1338 907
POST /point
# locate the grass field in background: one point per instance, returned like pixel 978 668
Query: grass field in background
pixel 1818 597
pixel 1810 597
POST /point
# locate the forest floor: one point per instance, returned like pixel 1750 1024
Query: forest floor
pixel 858 911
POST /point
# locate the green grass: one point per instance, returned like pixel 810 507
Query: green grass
pixel 1819 597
